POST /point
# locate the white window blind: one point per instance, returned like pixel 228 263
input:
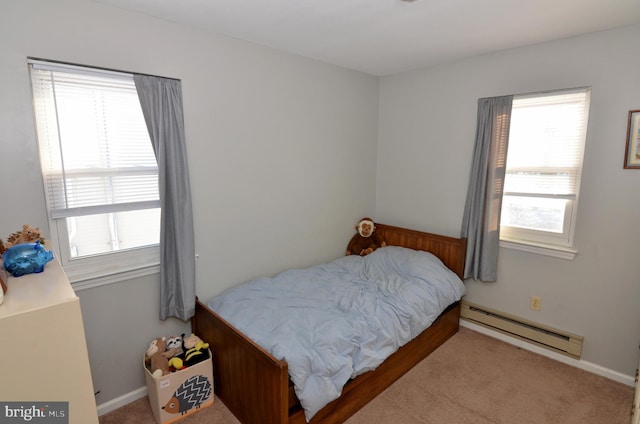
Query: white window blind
pixel 95 150
pixel 546 144
pixel 544 166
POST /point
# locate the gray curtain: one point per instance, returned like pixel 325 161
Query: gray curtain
pixel 481 221
pixel 161 101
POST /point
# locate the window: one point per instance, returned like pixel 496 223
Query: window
pixel 544 163
pixel 100 173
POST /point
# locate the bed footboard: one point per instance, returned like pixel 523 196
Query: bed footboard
pixel 248 380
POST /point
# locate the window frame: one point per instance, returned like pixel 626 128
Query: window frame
pixel 98 269
pixel 549 243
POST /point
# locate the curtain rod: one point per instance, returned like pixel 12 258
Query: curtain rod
pixel 72 65
pixel 543 92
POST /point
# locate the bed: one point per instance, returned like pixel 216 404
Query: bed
pixel 256 386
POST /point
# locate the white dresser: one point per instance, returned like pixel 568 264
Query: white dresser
pixel 44 351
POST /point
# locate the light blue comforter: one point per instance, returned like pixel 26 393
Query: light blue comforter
pixel 334 321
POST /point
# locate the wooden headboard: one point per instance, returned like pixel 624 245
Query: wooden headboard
pixel 450 250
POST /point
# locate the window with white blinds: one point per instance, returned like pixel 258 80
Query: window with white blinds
pixel 544 165
pixel 98 165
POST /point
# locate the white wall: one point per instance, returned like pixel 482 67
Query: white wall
pixel 280 149
pixel 426 129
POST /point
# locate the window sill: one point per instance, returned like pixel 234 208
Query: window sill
pixel 561 252
pixel 85 281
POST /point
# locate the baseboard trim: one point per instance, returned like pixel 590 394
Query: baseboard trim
pixel 113 404
pixel 578 363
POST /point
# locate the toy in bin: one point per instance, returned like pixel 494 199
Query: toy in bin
pixel 26 258
pixel 179 376
pixel 195 350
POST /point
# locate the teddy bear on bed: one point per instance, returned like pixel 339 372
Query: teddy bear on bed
pixel 366 240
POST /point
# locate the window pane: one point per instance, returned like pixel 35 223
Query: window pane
pixel 89 235
pixel 98 234
pixel 138 228
pixel 534 213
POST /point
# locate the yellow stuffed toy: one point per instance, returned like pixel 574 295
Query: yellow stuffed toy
pixel 195 350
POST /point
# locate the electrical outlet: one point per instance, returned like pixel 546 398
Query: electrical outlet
pixel 536 303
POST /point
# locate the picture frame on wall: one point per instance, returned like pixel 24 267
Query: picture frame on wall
pixel 632 151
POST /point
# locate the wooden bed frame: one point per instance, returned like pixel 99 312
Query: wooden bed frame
pixel 255 386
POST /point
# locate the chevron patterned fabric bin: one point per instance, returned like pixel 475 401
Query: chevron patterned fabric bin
pixel 181 393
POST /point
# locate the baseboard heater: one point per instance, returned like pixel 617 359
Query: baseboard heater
pixel 547 337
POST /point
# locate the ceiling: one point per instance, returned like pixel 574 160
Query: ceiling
pixel 384 37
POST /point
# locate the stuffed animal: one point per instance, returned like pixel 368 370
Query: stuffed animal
pixel 195 350
pixel 366 240
pixel 176 364
pixel 155 357
pixel 28 234
pixel 174 347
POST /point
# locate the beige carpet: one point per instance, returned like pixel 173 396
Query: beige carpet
pixel 472 378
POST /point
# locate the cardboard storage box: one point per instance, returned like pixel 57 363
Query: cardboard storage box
pixel 181 393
